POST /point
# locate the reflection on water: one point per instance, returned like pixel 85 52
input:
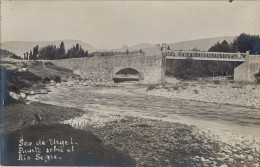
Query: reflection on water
pixel 122 101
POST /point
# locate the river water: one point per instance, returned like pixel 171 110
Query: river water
pixel 120 100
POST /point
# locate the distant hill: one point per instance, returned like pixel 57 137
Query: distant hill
pixel 20 47
pixel 135 47
pixel 201 44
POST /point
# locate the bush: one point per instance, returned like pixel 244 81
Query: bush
pixel 151 87
pixel 14 56
pixel 189 69
pixel 216 81
pixel 196 91
pixel 257 77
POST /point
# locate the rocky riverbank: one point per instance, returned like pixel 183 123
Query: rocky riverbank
pixel 224 93
pixel 25 78
pixel 158 143
pixel 150 142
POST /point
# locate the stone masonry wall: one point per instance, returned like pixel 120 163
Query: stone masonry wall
pixel 149 65
pixel 246 71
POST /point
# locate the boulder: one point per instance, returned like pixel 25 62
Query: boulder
pixel 14 95
pixel 24 69
pixel 77 72
pixel 58 84
pixel 70 83
pixel 23 96
pixel 52 82
pixel 32 92
pixel 42 91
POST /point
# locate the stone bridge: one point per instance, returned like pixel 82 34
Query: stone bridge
pixel 150 66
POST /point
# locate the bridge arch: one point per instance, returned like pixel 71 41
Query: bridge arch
pixel 150 66
pixel 127 74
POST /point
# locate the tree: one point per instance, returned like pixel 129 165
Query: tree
pixel 254 45
pixel 224 42
pixel 62 46
pixel 195 49
pixel 35 52
pixel 190 69
pixel 86 53
pixel 77 46
pixel 27 55
pixel 14 56
pixel 61 52
pixel 76 52
pixel 241 43
pixel 213 68
pixel 81 52
pixel 31 54
pixel 48 53
pixel 220 47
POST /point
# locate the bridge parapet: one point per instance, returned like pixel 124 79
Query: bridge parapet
pixel 198 55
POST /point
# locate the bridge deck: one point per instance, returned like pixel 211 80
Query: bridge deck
pixel 215 56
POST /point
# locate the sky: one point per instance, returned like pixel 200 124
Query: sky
pixel 111 24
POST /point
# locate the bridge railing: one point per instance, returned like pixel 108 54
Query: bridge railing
pixel 198 55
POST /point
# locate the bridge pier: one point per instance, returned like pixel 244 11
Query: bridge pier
pixel 245 72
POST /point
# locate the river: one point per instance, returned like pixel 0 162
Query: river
pixel 120 100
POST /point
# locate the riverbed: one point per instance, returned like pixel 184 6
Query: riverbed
pixel 146 126
pixel 120 100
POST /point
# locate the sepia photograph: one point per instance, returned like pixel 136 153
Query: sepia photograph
pixel 130 83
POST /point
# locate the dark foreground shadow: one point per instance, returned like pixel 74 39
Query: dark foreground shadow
pixel 58 145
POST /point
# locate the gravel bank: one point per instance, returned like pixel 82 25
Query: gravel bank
pixel 158 143
pixel 231 93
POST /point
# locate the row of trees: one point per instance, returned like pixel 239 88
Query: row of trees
pixel 192 69
pixel 51 52
pixel 242 43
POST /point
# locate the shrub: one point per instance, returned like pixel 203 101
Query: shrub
pixel 257 77
pixel 151 87
pixel 14 56
pixel 196 91
pixel 216 81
